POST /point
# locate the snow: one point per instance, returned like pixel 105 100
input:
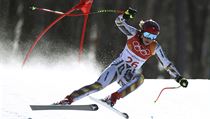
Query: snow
pixel 44 84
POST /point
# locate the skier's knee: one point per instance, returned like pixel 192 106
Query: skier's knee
pixel 140 80
pixel 130 87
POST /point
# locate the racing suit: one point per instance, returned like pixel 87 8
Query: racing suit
pixel 126 69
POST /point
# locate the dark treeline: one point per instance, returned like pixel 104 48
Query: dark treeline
pixel 185 31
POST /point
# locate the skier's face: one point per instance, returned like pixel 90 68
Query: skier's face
pixel 146 41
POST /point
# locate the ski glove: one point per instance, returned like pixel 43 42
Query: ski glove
pixel 182 81
pixel 129 14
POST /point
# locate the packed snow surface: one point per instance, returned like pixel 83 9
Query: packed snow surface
pixel 45 84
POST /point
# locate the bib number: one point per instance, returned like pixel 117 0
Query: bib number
pixel 130 61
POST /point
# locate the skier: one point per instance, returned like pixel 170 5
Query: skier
pixel 126 69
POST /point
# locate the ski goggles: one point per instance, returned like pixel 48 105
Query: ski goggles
pixel 149 36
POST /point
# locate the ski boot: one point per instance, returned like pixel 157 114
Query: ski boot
pixel 111 100
pixel 67 101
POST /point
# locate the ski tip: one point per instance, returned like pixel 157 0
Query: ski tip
pixel 94 107
pixel 126 115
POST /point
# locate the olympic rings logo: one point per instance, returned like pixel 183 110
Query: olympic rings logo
pixel 139 48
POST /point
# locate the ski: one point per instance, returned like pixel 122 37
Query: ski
pixel 91 107
pixel 125 115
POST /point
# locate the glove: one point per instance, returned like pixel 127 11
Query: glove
pixel 129 14
pixel 182 81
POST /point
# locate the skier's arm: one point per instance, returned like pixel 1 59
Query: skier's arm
pixel 170 68
pixel 123 26
pixel 165 62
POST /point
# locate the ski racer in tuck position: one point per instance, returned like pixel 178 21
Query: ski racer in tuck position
pixel 126 69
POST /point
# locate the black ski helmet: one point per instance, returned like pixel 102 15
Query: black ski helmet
pixel 150 26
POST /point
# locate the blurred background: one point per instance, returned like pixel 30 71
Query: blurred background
pixel 184 36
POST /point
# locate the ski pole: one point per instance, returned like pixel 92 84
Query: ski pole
pixel 165 89
pixel 61 13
